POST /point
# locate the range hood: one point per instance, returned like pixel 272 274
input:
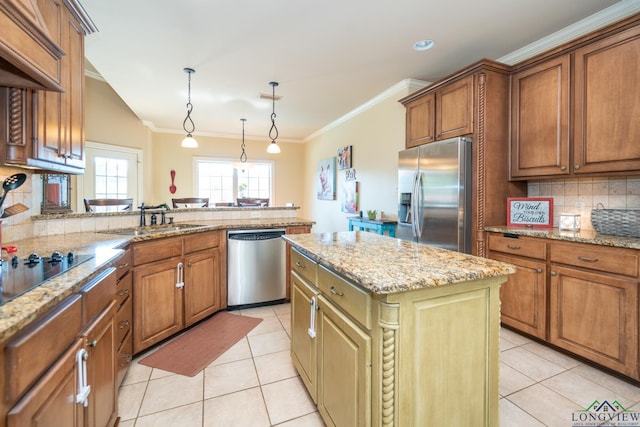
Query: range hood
pixel 29 57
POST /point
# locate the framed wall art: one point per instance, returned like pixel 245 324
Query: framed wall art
pixel 350 197
pixel 344 158
pixel 327 179
pixel 534 212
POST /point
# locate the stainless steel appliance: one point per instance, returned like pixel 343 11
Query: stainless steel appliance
pixel 22 275
pixel 434 194
pixel 256 267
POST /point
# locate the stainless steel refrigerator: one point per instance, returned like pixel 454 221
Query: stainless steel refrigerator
pixel 434 194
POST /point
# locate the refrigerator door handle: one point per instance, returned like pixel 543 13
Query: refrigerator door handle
pixel 416 205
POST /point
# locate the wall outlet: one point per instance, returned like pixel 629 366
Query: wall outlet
pixel 255 214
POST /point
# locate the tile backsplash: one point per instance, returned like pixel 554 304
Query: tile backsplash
pixel 581 195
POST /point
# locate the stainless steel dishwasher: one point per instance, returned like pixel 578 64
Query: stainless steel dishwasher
pixel 256 267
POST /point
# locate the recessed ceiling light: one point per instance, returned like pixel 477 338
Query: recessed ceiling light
pixel 423 45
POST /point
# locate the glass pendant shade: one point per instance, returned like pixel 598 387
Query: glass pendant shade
pixel 273 148
pixel 189 142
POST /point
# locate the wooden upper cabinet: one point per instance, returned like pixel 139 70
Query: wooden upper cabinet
pixel 540 119
pixel 454 109
pixel 607 104
pixel 421 120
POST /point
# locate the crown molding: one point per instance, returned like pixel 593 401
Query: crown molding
pixel 617 12
pixel 411 84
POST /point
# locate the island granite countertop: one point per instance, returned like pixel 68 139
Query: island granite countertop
pixel 384 265
pixel 105 246
pixel 584 236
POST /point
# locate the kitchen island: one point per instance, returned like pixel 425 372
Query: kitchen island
pixel 387 332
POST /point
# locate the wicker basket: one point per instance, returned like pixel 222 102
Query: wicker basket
pixel 616 222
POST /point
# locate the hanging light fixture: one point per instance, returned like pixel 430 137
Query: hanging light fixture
pixel 243 156
pixel 189 141
pixel 273 148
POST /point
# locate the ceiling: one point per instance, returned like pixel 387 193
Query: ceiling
pixel 329 57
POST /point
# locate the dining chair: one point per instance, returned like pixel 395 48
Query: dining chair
pixel 186 201
pixel 127 203
pixel 252 201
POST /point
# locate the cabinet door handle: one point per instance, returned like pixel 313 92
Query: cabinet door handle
pixel 123 292
pixel 124 324
pixel 587 259
pixel 312 318
pixel 539 270
pixel 125 265
pixel 180 276
pixel 335 292
pixel 553 273
pixel 83 388
pixel 189 264
pixel 300 265
pixel 515 247
pixel 563 167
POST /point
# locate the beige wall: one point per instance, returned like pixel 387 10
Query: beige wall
pixel 376 135
pixel 168 155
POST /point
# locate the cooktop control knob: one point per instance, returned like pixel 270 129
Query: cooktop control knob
pixel 33 259
pixel 56 257
pixel 15 261
pixel 71 257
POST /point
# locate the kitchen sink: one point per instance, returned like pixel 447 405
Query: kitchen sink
pixel 145 231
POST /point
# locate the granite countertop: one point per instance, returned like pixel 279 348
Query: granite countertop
pixel 585 236
pixel 105 247
pixel 385 265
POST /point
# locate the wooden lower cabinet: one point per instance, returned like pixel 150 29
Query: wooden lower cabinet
pixel 157 303
pixel 344 369
pixel 173 293
pixel 596 316
pixel 51 402
pixel 403 359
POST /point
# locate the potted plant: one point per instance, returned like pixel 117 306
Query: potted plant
pixel 371 214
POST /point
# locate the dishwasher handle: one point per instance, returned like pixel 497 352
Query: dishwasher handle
pixel 256 236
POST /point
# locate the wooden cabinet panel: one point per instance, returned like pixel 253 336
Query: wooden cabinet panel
pixel 454 109
pixel 611 260
pixel 299 229
pixel 344 369
pixel 607 104
pixel 155 250
pixel 540 119
pixel 347 296
pixel 201 241
pixel 52 401
pixel 596 316
pixel 101 369
pixel 34 350
pixel 524 296
pixel 420 121
pixel 522 246
pixel 202 285
pixel 304 328
pixel 157 303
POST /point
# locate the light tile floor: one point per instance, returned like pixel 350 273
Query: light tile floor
pixel 254 384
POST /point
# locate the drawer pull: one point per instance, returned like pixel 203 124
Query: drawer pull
pixel 125 265
pixel 123 292
pixel 124 324
pixel 587 259
pixel 513 247
pixel 335 292
pixel 553 273
pixel 300 265
pixel 539 270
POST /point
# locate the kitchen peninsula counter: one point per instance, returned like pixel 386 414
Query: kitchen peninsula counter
pixel 386 332
pixel 105 246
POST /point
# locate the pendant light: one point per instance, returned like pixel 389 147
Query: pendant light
pixel 273 148
pixel 243 156
pixel 189 141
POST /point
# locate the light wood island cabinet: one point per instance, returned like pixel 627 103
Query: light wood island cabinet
pixel 389 343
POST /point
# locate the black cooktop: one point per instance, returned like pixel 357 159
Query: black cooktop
pixel 21 275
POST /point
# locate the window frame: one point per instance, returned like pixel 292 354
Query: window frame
pixel 236 164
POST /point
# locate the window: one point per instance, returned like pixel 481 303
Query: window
pixel 112 172
pixel 223 181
